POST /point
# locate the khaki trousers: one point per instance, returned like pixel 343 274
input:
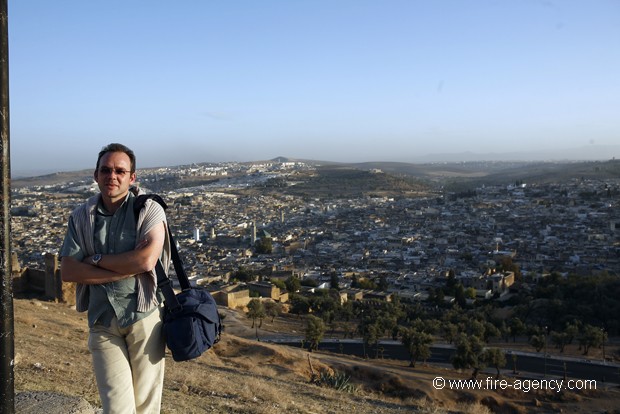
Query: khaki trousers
pixel 129 365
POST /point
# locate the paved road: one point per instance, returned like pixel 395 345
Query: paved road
pixel 552 366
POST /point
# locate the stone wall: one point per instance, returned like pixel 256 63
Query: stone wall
pixel 47 282
pixel 233 300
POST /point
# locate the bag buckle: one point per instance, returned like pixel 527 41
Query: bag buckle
pixel 178 308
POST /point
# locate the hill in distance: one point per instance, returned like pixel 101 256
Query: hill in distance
pixel 585 153
pixel 385 178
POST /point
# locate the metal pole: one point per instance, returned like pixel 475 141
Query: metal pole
pixel 545 376
pixel 7 350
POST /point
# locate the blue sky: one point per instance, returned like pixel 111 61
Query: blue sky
pixel 340 80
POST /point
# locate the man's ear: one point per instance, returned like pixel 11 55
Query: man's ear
pixel 96 175
pixel 132 178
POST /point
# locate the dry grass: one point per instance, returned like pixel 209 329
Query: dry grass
pixel 241 375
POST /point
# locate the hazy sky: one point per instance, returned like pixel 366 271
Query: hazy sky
pixel 343 80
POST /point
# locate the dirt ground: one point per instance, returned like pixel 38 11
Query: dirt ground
pixel 242 375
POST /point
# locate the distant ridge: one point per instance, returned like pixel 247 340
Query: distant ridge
pixel 59 176
pixel 417 163
pixel 586 153
pixel 32 173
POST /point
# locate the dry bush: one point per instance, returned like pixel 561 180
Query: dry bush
pixel 474 408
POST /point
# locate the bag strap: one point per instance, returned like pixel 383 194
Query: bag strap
pixel 178 264
pixel 163 281
pixel 165 285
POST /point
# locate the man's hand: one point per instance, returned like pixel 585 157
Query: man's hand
pixel 143 258
pixel 85 272
pixel 114 267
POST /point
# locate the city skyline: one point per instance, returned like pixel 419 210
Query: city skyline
pixel 351 81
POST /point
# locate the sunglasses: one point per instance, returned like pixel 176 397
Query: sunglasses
pixel 118 171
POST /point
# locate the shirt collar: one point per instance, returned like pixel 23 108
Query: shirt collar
pixel 102 211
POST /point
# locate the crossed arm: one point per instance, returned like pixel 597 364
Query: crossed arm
pixel 113 267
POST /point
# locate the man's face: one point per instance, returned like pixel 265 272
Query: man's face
pixel 114 176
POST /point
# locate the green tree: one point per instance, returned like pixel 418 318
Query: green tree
pixel 300 305
pixel 432 326
pixel 470 293
pixel 437 296
pixel 504 331
pixel 571 330
pixel 279 283
pixel 292 284
pixel 506 264
pixel 469 354
pixel 449 332
pixel 591 336
pixel 324 305
pixel 383 284
pixel 386 324
pixel 517 328
pixel 263 246
pixel 334 281
pixel 370 331
pixel 475 328
pixel 490 331
pixel 496 358
pixel 244 275
pixel 538 342
pixel 451 282
pixel 309 282
pixel 459 295
pixel 273 309
pixel 345 311
pixel 256 310
pixel 366 284
pixel 315 329
pixel 559 340
pixel 417 343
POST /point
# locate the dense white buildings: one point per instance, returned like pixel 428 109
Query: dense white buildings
pixel 570 227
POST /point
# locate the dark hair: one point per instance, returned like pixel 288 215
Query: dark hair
pixel 118 148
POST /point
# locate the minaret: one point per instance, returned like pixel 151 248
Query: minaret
pixel 253 232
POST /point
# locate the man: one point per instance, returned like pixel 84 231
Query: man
pixel 111 254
